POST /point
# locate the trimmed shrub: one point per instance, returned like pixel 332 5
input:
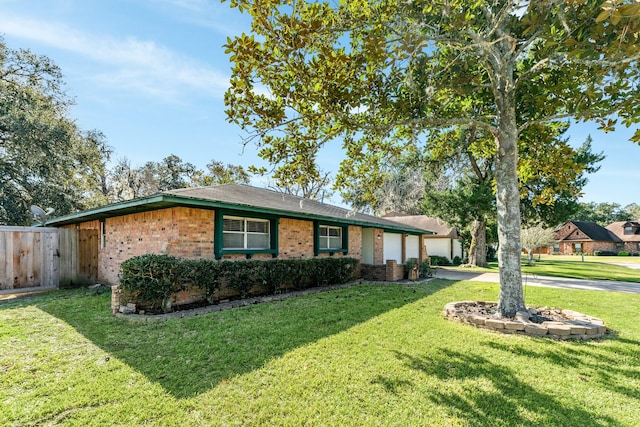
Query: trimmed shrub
pixel 457 260
pixel 153 278
pixel 623 253
pixel 204 274
pixel 439 260
pixel 605 253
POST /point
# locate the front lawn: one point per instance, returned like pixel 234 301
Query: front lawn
pixel 592 268
pixel 365 355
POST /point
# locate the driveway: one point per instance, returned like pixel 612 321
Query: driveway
pixel 546 281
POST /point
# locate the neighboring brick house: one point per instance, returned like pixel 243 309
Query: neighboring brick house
pixel 240 221
pixel 575 237
pixel 446 240
pixel 629 233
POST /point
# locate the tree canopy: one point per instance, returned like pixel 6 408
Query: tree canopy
pixel 45 159
pixel 380 75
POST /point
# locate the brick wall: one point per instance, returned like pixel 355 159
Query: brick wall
pixel 588 247
pixel 295 238
pixel 378 247
pixel 373 272
pixel 179 231
pixel 188 233
pixel 395 271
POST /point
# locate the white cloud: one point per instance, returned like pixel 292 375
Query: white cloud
pixel 125 63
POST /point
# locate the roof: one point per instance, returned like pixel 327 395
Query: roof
pixel 595 231
pixel 617 228
pixel 436 225
pixel 237 197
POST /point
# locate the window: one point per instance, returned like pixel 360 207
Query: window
pixel 628 230
pixel 556 247
pixel 330 237
pixel 618 245
pixel 246 233
pixel 577 247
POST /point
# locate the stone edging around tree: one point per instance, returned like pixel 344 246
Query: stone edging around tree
pixel 572 325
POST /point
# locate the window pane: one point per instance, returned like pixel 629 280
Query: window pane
pixel 324 243
pixel 258 226
pixel 233 240
pixel 323 231
pixel 257 241
pixel 233 224
pixel 335 243
pixel 335 232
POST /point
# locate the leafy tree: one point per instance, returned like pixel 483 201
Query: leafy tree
pixel 125 182
pixel 378 75
pixel 602 213
pixel 219 173
pixel 536 237
pixel 315 187
pixel 633 210
pixel 44 158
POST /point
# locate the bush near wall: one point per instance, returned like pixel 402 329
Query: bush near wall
pixel 605 253
pixel 153 279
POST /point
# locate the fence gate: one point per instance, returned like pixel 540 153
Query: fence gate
pixel 47 257
pixel 28 257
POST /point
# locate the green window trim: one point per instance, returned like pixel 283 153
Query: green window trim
pixel 218 234
pixel 316 238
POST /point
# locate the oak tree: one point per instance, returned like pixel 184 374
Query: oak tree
pixel 379 75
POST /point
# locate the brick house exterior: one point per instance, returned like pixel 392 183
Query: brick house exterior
pixel 576 237
pixel 198 223
pixel 629 233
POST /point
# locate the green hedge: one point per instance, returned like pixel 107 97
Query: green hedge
pixel 154 278
pixel 605 253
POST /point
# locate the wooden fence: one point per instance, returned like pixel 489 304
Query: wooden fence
pixel 47 257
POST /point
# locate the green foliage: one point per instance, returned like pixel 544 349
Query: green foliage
pixel 439 260
pixel 605 213
pixel 45 159
pixel 384 77
pixel 605 253
pixel 623 253
pixel 204 274
pixel 457 260
pixel 154 278
pixel 423 268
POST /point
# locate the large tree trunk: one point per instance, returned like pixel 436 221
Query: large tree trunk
pixel 478 248
pixel 511 298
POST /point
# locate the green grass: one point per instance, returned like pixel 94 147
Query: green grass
pixel 592 268
pixel 367 355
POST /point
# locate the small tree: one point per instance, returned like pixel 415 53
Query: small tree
pixel 535 237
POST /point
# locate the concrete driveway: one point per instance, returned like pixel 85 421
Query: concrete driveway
pixel 546 281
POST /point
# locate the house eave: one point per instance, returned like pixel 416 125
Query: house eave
pixel 164 201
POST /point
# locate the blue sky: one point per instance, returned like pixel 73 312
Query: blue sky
pixel 151 75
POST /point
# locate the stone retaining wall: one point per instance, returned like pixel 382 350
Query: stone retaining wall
pixel 578 326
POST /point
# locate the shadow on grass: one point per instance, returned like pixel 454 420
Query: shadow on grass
pixel 598 362
pixel 493 395
pixel 192 355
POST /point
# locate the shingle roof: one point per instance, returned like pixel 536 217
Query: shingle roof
pixel 436 225
pixel 617 228
pixel 596 232
pixel 238 197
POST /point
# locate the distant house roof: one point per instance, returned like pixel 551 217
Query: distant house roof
pixel 617 228
pixel 240 198
pixel 591 231
pixel 436 225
